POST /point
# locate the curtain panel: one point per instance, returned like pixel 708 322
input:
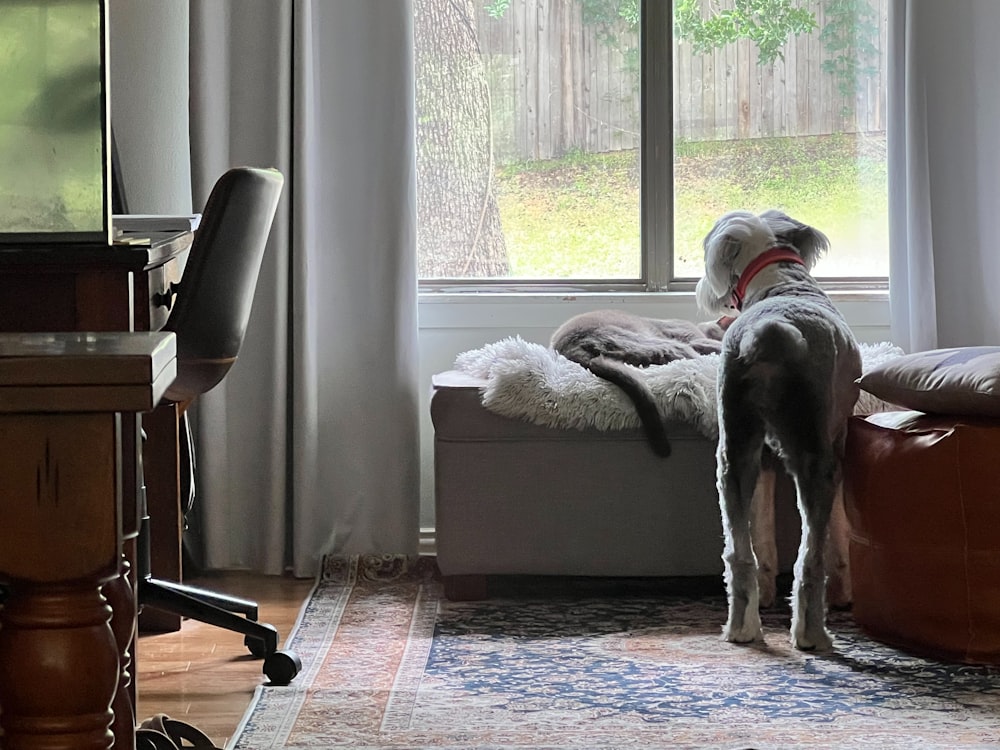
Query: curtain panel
pixel 310 445
pixel 944 173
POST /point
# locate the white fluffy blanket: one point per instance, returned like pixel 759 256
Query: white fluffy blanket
pixel 534 383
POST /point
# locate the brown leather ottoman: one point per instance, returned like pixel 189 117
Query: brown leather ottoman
pixel 923 499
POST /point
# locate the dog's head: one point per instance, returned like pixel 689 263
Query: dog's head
pixel 740 236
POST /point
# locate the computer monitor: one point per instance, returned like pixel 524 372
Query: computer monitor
pixel 55 145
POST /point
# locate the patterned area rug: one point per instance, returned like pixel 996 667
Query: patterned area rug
pixel 389 663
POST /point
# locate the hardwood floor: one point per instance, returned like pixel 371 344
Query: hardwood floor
pixel 204 675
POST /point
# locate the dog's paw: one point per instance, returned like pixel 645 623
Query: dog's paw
pixel 818 641
pixel 742 635
pixel 747 631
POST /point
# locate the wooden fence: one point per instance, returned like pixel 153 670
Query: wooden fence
pixel 555 86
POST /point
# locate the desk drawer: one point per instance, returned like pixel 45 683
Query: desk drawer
pixel 159 296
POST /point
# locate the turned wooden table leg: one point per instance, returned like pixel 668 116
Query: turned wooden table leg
pixel 64 670
pixel 56 640
pixel 120 593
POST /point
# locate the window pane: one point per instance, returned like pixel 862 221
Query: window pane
pixel 798 125
pixel 529 122
pixel 528 139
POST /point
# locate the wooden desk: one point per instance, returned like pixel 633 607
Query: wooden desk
pixel 117 288
pixel 63 659
pixel 69 287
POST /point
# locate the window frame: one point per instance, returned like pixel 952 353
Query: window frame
pixel 656 200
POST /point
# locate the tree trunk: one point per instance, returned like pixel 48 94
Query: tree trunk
pixel 459 232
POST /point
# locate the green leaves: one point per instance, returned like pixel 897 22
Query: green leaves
pixel 496 8
pixel 767 23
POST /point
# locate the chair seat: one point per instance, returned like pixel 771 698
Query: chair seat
pixel 197 376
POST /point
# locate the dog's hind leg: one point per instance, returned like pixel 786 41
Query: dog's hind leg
pixel 815 480
pixel 762 534
pixel 738 468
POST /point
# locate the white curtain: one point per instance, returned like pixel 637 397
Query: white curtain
pixel 310 445
pixel 944 178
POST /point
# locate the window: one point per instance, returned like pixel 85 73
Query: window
pixel 592 143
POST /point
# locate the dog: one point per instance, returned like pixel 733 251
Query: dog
pixel 787 382
pixel 606 342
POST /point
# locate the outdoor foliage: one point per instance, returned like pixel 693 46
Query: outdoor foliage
pixel 767 23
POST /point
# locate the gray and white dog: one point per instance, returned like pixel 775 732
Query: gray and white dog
pixel 786 382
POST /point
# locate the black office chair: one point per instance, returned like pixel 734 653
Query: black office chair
pixel 209 314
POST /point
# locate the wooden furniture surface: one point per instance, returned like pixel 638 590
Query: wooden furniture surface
pixel 64 516
pixel 69 287
pixel 122 287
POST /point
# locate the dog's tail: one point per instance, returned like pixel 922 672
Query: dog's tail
pixel 638 392
pixel 773 341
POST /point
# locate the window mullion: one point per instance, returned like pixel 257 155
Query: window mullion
pixel 657 201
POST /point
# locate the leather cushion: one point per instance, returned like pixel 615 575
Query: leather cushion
pixel 942 381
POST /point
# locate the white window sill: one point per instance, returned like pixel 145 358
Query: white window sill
pixel 867 311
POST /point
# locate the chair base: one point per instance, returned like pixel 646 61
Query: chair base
pixel 227 612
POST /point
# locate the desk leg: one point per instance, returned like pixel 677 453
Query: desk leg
pixel 162 471
pixel 56 640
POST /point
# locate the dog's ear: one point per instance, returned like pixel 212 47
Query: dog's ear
pixel 714 291
pixel 810 243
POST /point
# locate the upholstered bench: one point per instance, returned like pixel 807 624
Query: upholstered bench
pixel 512 497
pixel 922 492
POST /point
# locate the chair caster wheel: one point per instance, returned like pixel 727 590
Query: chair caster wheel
pixel 282 666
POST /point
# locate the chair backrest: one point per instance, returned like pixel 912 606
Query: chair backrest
pixel 215 294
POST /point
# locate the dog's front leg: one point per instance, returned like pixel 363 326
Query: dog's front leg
pixel 762 534
pixel 838 563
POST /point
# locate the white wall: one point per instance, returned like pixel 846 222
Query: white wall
pixel 149 102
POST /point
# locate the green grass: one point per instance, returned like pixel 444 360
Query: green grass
pixel 578 217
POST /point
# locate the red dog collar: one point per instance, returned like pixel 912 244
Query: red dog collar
pixel 778 254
